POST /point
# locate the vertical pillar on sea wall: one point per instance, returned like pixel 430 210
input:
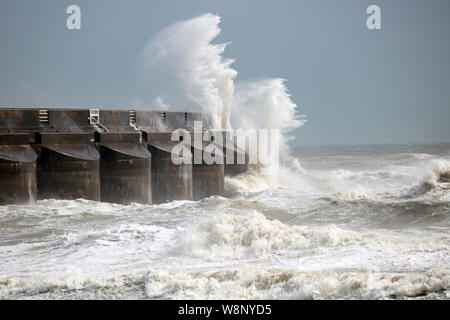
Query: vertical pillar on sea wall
pixel 236 159
pixel 67 166
pixel 170 181
pixel 207 179
pixel 208 176
pixel 236 168
pixel 17 169
pixel 125 168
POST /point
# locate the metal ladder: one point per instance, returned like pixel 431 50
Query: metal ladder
pixel 94 120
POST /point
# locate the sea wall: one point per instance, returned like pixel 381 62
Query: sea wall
pixel 119 156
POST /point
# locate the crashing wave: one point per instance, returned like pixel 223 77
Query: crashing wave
pixel 354 194
pixel 435 171
pixel 244 283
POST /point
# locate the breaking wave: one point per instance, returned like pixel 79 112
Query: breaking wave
pixel 243 283
pixel 201 79
pixel 197 72
pixel 359 193
pixel 248 283
pixel 436 170
pixel 253 235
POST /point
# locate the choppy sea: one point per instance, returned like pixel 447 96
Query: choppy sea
pixel 358 222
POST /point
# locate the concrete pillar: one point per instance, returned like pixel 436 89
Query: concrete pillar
pixel 233 165
pixel 170 181
pixel 67 166
pixel 125 168
pixel 17 169
pixel 208 176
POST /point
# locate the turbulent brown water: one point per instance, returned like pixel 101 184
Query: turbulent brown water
pixel 368 222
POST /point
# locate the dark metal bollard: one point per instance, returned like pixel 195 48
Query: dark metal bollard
pixel 17 169
pixel 125 168
pixel 67 166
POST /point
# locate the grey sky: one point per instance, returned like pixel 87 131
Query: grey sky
pixel 353 85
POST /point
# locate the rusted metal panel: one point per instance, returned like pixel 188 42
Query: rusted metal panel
pixel 125 168
pixel 115 137
pixel 15 138
pixel 166 121
pixel 67 120
pixel 151 121
pixel 18 120
pixel 50 138
pixel 117 120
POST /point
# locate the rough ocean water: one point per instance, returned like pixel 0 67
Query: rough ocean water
pixel 362 222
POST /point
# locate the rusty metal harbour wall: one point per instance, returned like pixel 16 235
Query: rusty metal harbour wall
pixel 119 156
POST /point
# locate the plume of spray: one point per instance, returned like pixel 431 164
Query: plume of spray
pixel 266 103
pixel 203 77
pixel 203 80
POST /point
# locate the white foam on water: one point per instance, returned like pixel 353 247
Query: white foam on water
pixel 243 283
pixel 253 238
pixel 256 283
